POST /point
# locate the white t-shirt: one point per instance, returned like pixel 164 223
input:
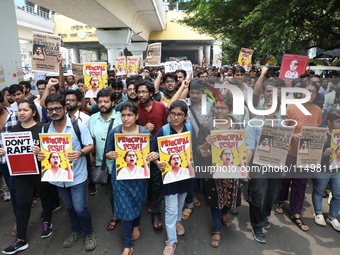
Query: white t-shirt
pixel 91 93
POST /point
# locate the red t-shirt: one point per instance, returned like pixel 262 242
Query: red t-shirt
pixel 314 120
pixel 157 116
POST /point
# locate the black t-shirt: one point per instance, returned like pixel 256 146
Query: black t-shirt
pixel 35 130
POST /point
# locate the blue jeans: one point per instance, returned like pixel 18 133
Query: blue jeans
pixel 74 198
pixel 320 181
pixel 127 231
pixel 173 213
pixel 216 215
pixel 10 181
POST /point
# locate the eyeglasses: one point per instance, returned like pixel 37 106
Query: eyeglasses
pixel 70 100
pixel 221 108
pixel 131 89
pixel 179 115
pixel 56 109
pixel 142 92
pixel 170 81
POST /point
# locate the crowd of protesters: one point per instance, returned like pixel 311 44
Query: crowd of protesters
pixel 163 104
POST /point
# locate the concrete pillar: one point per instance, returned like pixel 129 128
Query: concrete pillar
pixel 114 41
pixel 76 55
pixel 207 54
pixel 97 54
pixel 138 48
pixel 10 57
pixel 200 54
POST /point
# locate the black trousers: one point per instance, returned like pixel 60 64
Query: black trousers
pixel 24 188
pixel 262 194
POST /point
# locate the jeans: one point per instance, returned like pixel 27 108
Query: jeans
pixel 74 198
pixel 216 215
pixel 320 182
pixel 189 201
pixel 127 230
pixel 173 213
pixel 10 181
pixel 262 193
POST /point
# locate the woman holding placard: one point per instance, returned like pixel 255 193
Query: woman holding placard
pixel 26 184
pixel 328 175
pixel 175 192
pixel 215 189
pixel 128 195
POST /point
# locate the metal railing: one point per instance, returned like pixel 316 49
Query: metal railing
pixel 37 12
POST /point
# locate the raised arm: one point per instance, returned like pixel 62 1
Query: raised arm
pixel 49 86
pixel 181 93
pixel 61 73
pixel 258 86
pixel 158 80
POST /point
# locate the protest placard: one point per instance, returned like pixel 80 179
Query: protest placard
pixel 121 66
pixel 310 146
pixel 153 54
pixel 46 48
pixel 19 154
pixel 334 160
pixel 173 66
pixel 228 154
pixel 132 65
pixel 176 151
pixel 133 150
pixel 2 74
pixel 95 77
pixel 270 149
pixel 56 166
pixel 244 58
pixel 292 67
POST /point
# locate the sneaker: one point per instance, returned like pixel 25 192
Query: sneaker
pixel 334 223
pixel 267 224
pixel 16 247
pixel 6 195
pixel 93 190
pixel 258 235
pixel 319 220
pixel 179 229
pixel 169 249
pixel 47 229
pixel 71 240
pixel 90 242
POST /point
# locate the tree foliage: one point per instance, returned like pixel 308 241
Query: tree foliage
pixel 270 27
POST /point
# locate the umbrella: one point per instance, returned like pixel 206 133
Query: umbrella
pixel 270 61
pixel 317 62
pixel 336 63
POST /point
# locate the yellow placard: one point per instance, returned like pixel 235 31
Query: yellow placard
pixel 95 73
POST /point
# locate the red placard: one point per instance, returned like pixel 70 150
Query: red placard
pixel 292 67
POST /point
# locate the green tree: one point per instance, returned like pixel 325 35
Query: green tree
pixel 270 27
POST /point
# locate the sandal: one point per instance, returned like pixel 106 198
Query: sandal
pixel 227 222
pixel 186 213
pixel 157 222
pixel 112 224
pixel 135 233
pixel 197 203
pixel 299 224
pixel 278 207
pixel 128 251
pixel 149 208
pixel 215 239
pixel 179 229
pixel 169 249
pixel 34 202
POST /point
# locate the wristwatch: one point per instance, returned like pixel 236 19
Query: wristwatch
pixel 82 153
